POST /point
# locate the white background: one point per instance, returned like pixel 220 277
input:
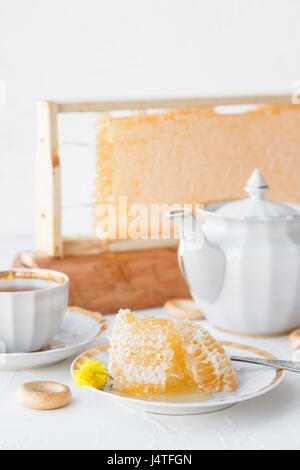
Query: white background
pixel 66 49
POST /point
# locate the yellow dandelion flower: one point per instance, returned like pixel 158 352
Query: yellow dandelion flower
pixel 91 373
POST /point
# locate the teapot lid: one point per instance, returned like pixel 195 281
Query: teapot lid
pixel 255 206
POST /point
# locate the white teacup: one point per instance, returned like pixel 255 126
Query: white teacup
pixel 32 305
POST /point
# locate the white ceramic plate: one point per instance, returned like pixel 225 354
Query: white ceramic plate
pixel 79 328
pixel 253 381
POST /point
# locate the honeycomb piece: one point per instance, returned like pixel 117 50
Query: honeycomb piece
pixel 153 356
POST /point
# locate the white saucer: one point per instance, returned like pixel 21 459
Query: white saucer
pixel 253 381
pixel 79 328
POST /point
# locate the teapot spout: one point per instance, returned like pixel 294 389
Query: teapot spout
pixel 190 228
pixel 202 263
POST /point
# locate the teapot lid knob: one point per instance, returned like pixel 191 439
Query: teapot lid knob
pixel 256 185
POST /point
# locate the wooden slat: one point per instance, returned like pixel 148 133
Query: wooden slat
pixel 92 246
pixel 109 281
pixel 166 103
pixel 48 184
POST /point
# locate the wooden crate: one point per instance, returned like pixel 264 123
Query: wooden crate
pixel 106 276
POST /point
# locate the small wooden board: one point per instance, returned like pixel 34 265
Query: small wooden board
pixel 109 281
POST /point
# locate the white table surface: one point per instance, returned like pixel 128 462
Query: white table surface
pixel 271 421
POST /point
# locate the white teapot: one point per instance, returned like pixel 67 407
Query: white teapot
pixel 242 262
